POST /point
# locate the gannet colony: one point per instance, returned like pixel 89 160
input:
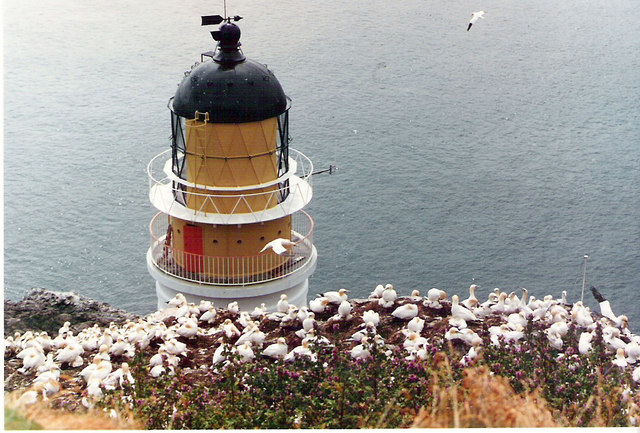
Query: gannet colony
pixel 81 366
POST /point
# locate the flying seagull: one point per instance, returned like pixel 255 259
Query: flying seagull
pixel 279 246
pixel 474 18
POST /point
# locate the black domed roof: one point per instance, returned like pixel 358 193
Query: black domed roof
pixel 231 88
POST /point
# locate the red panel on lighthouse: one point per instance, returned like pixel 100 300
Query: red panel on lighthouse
pixel 193 248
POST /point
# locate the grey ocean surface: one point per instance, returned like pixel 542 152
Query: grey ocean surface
pixel 499 156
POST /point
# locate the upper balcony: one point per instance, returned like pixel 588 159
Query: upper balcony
pixel 179 198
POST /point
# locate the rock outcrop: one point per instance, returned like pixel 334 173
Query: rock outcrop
pixel 44 310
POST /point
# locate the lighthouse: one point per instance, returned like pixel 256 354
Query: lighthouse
pixel 229 191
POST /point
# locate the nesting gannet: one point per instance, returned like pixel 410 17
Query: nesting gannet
pixel 233 307
pixel 318 305
pixel 405 312
pixel 471 302
pixel 302 313
pixel 460 312
pixel 416 325
pixel 309 322
pixel 611 338
pixel 469 357
pixel 188 328
pixel 204 305
pixel 220 354
pixel 414 339
pixel 581 316
pixel 632 351
pixel 415 295
pixel 245 351
pixel 474 18
pixel 457 322
pixel 584 343
pixel 620 359
pixel 157 370
pixel 69 353
pixel 177 301
pixel 361 350
pixel 208 316
pixel 389 297
pixel 32 358
pixel 283 304
pixel 229 329
pixel 336 297
pixel 175 347
pixel 259 311
pixel 434 296
pixel 279 246
pixel 377 292
pixel 119 377
pixel 516 319
pixel 300 351
pixel 279 349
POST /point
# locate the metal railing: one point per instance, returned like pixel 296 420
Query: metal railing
pixel 208 199
pixel 228 270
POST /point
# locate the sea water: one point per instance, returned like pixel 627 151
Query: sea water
pixel 498 156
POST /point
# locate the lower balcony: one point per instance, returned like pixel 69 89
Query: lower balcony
pixel 230 270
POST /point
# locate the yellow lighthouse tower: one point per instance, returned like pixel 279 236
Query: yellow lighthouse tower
pixel 230 191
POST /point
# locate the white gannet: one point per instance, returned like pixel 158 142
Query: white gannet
pixel 434 296
pixel 188 327
pixel 416 325
pixel 32 357
pixel 245 351
pixel 620 359
pixel 415 295
pixel 460 312
pixel 457 323
pixel 69 353
pixel 389 296
pixel 279 349
pixel 259 311
pixel 336 297
pixel 318 305
pixel 230 329
pixel 208 316
pixel 175 347
pixel 405 312
pixel 377 292
pixel 279 246
pixel 177 301
pixel 606 311
pixel 119 377
pixel 370 316
pixel 584 343
pixel 516 318
pixel 471 302
pixel 220 354
pixel 233 307
pixel 300 351
pixel 474 18
pixel 361 351
pixel 309 322
pixel 283 304
pixel 632 351
pixel 469 357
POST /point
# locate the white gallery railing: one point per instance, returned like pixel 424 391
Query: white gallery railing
pixel 241 270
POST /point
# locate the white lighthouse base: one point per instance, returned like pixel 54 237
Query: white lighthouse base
pixel 295 286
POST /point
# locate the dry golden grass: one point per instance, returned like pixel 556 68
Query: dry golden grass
pixel 482 400
pixel 40 416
